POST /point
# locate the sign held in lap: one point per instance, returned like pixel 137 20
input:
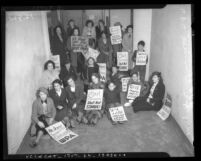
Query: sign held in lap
pixel 94 99
pixel 133 91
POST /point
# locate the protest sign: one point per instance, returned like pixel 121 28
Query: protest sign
pixel 91 53
pixel 94 99
pixel 56 60
pixel 79 43
pixel 133 91
pixel 122 61
pixel 141 58
pixel 115 35
pixel 124 83
pixel 165 111
pixel 102 71
pixel 59 133
pixel 117 113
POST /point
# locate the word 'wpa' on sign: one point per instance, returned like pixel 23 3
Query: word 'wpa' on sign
pixel 59 133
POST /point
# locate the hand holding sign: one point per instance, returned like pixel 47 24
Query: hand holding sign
pixel 133 91
pixel 141 58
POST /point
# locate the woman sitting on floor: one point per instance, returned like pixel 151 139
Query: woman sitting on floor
pixel 112 99
pixel 76 99
pixel 136 80
pixel 43 114
pixel 153 100
pixel 94 115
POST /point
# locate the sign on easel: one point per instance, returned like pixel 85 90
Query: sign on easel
pixel 122 61
pixel 117 113
pixel 115 35
pixel 125 83
pixel 102 71
pixel 141 58
pixel 59 133
pixel 133 91
pixel 94 99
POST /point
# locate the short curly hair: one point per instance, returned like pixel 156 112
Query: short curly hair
pixel 48 62
pixel 89 21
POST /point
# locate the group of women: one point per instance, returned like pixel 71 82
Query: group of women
pixel 62 95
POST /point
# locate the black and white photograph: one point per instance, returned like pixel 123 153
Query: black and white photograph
pixel 113 81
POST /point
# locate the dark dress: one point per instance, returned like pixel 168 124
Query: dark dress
pixel 59 100
pixel 65 73
pixel 59 48
pixel 140 103
pixel 75 97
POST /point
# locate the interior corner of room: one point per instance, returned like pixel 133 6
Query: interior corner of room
pixel 167 33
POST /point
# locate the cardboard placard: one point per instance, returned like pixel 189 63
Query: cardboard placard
pixel 59 133
pixel 116 37
pixel 122 61
pixel 79 43
pixel 56 60
pixel 102 71
pixel 125 83
pixel 141 58
pixel 94 99
pixel 117 113
pixel 91 53
pixel 165 111
pixel 133 91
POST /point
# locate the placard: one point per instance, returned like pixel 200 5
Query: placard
pixel 59 133
pixel 94 99
pixel 141 58
pixel 102 71
pixel 116 37
pixel 133 91
pixel 165 111
pixel 122 61
pixel 91 53
pixel 56 60
pixel 79 43
pixel 117 113
pixel 124 83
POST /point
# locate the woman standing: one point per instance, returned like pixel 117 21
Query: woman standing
pixel 71 27
pixel 105 48
pixel 59 44
pixel 73 54
pixel 89 30
pixel 43 113
pixel 153 100
pixel 101 28
pixel 127 44
pixel 49 75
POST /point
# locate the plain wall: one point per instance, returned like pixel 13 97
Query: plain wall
pixel 171 54
pixel 120 15
pixel 142 25
pixel 26 52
